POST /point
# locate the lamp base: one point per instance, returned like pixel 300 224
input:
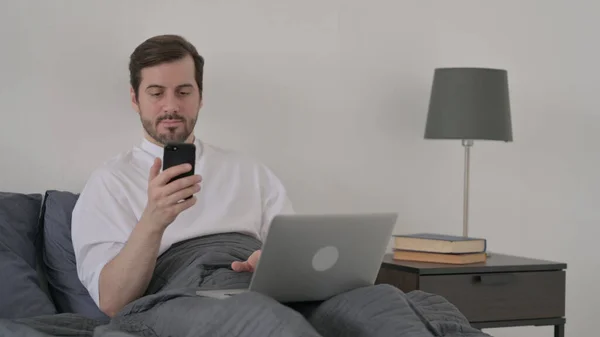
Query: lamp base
pixel 467 144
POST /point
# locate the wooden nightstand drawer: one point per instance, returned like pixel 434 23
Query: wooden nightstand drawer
pixel 504 291
pixel 501 296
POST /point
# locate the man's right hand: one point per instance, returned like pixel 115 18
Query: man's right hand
pixel 166 200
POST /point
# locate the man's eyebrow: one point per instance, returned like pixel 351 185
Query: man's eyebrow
pixel 151 86
pixel 185 85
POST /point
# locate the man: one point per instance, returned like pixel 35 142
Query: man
pixel 140 252
pixel 127 214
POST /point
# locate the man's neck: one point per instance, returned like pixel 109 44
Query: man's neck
pixel 190 139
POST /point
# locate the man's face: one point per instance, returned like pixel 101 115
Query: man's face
pixel 168 101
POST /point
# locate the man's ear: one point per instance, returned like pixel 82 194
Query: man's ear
pixel 134 101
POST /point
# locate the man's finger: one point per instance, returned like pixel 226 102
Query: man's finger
pixel 182 194
pixel 253 259
pixel 171 173
pixel 240 266
pixel 236 266
pixel 182 206
pixel 182 184
pixel 155 169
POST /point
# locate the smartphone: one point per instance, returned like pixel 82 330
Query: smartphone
pixel 177 154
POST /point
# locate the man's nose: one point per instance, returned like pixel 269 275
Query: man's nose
pixel 170 103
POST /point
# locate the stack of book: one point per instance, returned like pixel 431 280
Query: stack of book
pixel 439 248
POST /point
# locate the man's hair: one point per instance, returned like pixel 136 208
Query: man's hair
pixel 161 49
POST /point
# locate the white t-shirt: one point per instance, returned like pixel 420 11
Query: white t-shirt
pixel 238 194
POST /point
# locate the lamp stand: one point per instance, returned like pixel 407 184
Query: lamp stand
pixel 467 144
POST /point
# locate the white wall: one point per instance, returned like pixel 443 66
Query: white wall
pixel 333 96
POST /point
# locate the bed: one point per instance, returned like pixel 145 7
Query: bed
pixel 41 296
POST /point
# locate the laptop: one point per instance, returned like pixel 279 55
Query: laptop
pixel 308 257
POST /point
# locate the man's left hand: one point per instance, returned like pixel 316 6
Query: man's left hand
pixel 248 265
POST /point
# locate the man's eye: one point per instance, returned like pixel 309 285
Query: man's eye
pixel 155 94
pixel 184 93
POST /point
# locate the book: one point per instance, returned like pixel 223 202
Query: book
pixel 463 258
pixel 439 243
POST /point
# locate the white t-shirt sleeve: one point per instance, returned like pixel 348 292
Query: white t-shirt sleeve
pixel 275 200
pixel 100 226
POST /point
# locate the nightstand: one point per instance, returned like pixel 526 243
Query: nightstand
pixel 504 291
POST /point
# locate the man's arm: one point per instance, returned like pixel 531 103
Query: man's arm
pixel 126 277
pixel 115 265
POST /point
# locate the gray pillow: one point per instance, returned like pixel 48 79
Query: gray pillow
pixel 67 291
pixel 20 292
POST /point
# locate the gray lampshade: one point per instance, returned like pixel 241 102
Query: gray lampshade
pixel 469 103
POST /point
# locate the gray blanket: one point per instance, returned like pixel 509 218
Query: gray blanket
pixel 170 306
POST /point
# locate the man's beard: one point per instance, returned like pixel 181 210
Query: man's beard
pixel 174 134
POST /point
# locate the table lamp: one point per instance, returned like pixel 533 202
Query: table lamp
pixel 469 104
